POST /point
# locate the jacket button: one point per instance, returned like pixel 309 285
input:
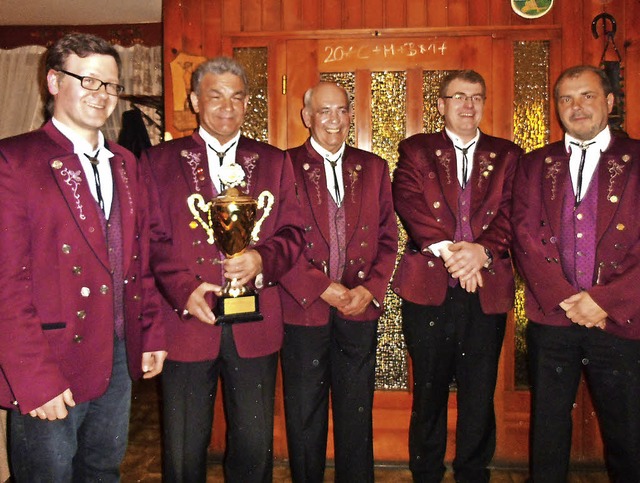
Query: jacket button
pixel 82 314
pixel 104 289
pixel 360 274
pixel 85 291
pixel 77 338
pixel 66 249
pixel 77 270
pixel 430 264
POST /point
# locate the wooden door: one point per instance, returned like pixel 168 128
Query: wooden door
pixel 393 81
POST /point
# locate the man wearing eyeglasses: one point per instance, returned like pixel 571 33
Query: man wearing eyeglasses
pixel 78 306
pixel 452 192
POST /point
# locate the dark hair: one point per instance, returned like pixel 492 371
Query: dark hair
pixel 578 70
pixel 466 75
pixel 218 66
pixel 80 44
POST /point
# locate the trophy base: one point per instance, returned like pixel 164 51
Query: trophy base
pixel 231 310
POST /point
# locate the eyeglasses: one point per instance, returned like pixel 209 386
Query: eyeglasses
pixel 460 98
pixel 93 84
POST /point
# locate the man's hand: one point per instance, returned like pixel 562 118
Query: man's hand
pixel 336 295
pixel 466 260
pixel 198 306
pixel 581 309
pixel 360 299
pixel 56 408
pixel 472 282
pixel 152 363
pixel 243 268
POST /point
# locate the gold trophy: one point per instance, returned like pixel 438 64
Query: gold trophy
pixel 230 222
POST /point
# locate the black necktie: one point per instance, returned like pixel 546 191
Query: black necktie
pixel 465 163
pixel 336 186
pixel 222 154
pixel 583 157
pixel 96 176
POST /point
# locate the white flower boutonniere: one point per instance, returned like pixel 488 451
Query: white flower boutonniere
pixel 231 175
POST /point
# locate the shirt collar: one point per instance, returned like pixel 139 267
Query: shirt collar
pixel 80 145
pixel 325 154
pixel 601 141
pixel 214 143
pixel 458 142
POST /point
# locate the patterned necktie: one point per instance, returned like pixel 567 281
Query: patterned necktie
pixel 221 154
pixel 96 176
pixel 465 163
pixel 336 185
pixel 583 157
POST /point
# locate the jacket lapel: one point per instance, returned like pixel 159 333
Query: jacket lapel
pixel 71 179
pixel 445 165
pixel 248 160
pixel 122 175
pixel 315 189
pixel 352 173
pixel 554 179
pixel 613 173
pixel 195 167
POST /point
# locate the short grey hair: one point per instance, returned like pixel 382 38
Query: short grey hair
pixel 218 66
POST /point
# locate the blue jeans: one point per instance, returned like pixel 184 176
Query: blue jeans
pixel 88 445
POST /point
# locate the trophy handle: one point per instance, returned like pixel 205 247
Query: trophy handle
pixel 196 206
pixel 265 200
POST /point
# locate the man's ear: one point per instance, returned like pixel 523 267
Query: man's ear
pixel 194 102
pixel 53 82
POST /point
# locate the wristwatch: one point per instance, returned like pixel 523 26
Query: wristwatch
pixel 489 261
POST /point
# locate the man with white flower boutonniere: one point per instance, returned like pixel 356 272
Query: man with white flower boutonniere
pixel 77 300
pixel 452 192
pixel 333 296
pixel 218 164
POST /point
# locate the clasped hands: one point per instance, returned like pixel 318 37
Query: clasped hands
pixel 465 261
pixel 240 270
pixel 349 302
pixel 581 309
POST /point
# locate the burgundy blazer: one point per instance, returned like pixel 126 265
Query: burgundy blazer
pixel 425 194
pixel 179 168
pixel 371 234
pixel 56 301
pixel 537 211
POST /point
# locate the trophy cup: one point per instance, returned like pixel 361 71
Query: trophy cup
pixel 230 222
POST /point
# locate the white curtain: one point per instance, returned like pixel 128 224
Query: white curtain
pixel 22 77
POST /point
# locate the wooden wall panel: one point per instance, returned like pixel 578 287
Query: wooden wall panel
pixel 416 13
pixel 480 12
pixel 374 14
pixel 292 15
pixel 271 15
pixel 311 14
pixel 332 14
pixel 353 14
pixel 501 13
pixel 458 13
pixel 251 15
pixel 212 28
pixel 437 14
pixel 395 14
pixel 231 20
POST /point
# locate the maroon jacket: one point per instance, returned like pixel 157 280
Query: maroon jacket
pixel 371 234
pixel 425 194
pixel 179 168
pixel 537 210
pixel 56 304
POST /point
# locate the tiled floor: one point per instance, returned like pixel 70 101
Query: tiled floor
pixel 142 462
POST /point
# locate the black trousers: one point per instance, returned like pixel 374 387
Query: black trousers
pixel 557 358
pixel 339 356
pixel 453 340
pixel 189 392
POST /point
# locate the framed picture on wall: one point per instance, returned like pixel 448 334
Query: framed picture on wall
pixel 531 8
